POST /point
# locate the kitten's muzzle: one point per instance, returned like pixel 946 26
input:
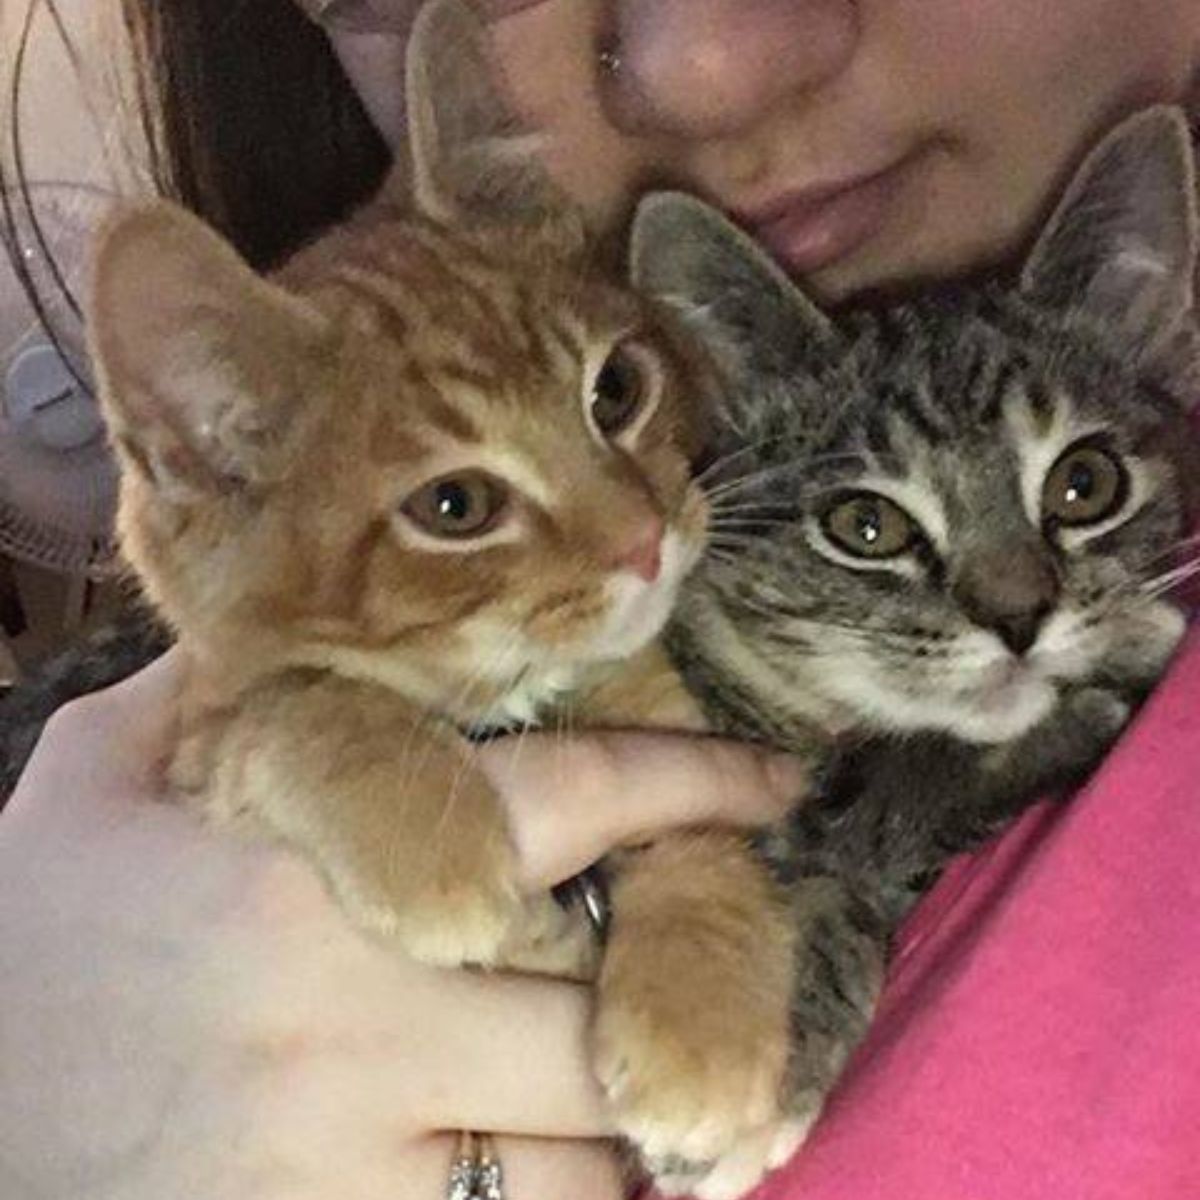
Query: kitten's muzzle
pixel 1010 590
pixel 642 549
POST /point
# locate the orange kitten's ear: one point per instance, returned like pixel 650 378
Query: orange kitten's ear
pixel 471 161
pixel 200 361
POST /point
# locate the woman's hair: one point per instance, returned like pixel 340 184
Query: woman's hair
pixel 250 120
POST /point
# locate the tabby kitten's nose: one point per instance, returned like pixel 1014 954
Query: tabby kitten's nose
pixel 1010 590
pixel 642 553
pixel 1019 631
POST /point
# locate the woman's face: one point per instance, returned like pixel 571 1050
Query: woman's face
pixel 865 142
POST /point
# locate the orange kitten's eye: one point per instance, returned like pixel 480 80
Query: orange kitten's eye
pixel 458 506
pixel 620 390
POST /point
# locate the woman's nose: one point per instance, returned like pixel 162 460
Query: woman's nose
pixel 706 68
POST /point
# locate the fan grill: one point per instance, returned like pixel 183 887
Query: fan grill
pixel 46 545
pixel 57 497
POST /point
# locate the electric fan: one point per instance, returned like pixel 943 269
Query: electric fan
pixel 57 478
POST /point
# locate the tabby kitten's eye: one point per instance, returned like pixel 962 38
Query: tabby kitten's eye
pixel 622 389
pixel 457 506
pixel 1087 484
pixel 868 525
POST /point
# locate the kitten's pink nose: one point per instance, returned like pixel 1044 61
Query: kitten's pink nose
pixel 642 554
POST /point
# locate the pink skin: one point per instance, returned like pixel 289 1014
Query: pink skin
pixel 866 143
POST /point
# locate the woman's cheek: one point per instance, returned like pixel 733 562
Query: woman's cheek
pixel 546 55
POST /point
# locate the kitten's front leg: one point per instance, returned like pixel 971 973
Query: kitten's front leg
pixel 840 962
pixel 838 967
pixel 693 1009
pixel 1058 753
pixel 384 799
pixel 726 1013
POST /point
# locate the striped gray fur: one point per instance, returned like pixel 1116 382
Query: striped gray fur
pixel 1001 653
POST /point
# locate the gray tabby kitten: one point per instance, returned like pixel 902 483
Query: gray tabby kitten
pixel 944 531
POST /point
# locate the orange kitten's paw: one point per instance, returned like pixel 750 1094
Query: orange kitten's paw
pixel 466 923
pixel 447 911
pixel 693 1029
pixel 688 1082
pixel 741 1168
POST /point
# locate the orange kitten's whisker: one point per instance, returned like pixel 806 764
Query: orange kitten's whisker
pixel 496 665
pixel 477 678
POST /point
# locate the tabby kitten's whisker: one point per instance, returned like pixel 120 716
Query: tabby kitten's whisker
pixel 747 506
pixel 733 488
pixel 793 466
pixel 1172 551
pixel 719 464
pixel 737 487
pixel 802 463
pixel 1169 580
pixel 748 525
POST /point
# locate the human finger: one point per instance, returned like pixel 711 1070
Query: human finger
pixel 370 1035
pixel 520 1044
pixel 105 745
pixel 572 800
pixel 532 1167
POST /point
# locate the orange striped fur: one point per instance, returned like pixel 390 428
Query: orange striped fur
pixel 273 434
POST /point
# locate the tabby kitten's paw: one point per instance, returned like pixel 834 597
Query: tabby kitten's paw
pixel 1092 719
pixel 1101 712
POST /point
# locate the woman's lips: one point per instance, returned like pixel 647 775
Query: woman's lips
pixel 813 228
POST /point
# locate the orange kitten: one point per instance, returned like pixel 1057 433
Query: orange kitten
pixel 433 475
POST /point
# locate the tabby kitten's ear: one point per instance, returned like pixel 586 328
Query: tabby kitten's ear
pixel 1121 248
pixel 688 254
pixel 471 161
pixel 200 361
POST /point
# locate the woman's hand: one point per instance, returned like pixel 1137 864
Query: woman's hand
pixel 186 1014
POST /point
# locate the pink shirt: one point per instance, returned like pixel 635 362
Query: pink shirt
pixel 1039 1037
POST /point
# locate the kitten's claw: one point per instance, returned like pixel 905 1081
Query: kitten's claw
pixel 740 1169
pixel 680 1093
pixel 451 926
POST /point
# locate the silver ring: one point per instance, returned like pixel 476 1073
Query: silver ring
pixel 589 890
pixel 352 16
pixel 593 895
pixel 475 1173
pixel 609 61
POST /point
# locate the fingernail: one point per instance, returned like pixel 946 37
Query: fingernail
pixel 788 775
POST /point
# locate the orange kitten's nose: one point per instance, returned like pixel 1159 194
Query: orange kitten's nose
pixel 643 553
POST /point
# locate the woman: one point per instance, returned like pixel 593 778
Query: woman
pixel 189 1017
